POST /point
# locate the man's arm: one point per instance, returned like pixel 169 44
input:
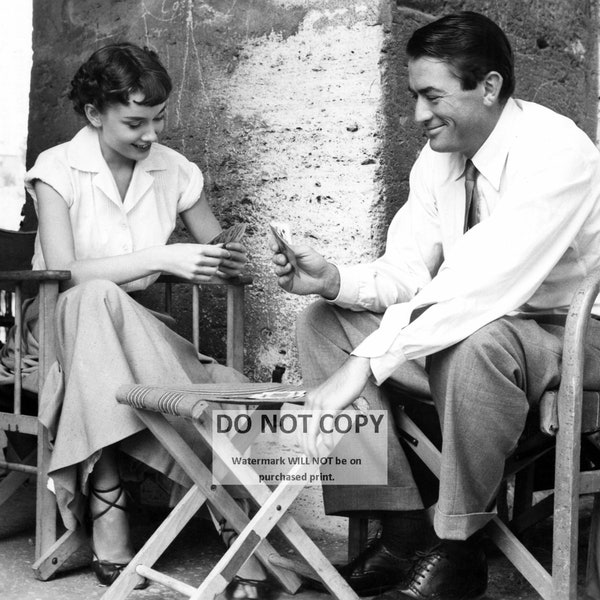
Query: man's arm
pixel 335 393
pixel 314 274
pixel 413 252
pixel 498 265
pixel 413 255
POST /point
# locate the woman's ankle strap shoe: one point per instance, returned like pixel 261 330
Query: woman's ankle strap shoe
pixel 107 572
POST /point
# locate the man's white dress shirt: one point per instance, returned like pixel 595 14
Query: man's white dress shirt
pixel 539 185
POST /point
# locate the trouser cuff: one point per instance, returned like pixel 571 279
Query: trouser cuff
pixel 459 527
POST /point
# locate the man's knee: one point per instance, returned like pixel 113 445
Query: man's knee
pixel 313 318
pixel 477 365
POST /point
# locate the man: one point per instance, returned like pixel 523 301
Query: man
pixel 501 225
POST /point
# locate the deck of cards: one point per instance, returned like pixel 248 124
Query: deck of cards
pixel 282 235
pixel 231 234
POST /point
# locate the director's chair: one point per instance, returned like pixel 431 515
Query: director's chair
pixel 570 415
pixel 28 450
pixel 195 402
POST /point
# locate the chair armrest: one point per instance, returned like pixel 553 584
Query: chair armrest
pixel 236 281
pixel 41 275
pixel 576 328
pixel 570 391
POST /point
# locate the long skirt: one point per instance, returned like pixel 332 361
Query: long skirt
pixel 106 339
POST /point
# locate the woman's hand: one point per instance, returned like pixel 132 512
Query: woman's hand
pixel 234 265
pixel 197 263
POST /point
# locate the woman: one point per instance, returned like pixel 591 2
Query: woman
pixel 107 202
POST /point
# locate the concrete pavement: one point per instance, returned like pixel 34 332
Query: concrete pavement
pixel 190 558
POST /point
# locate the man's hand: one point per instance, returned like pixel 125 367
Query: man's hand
pixel 335 394
pixel 314 274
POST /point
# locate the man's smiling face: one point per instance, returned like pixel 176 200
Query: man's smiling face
pixel 455 120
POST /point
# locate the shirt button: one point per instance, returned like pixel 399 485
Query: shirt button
pixel 124 225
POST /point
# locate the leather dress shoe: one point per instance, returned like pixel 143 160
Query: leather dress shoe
pixel 374 570
pixel 449 571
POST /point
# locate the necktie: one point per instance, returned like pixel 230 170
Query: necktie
pixel 472 201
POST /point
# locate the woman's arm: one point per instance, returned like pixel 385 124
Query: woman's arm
pixel 203 226
pixel 200 221
pixel 196 262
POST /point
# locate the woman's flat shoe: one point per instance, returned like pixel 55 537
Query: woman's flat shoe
pixel 107 572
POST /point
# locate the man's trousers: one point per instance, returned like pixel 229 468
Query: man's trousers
pixel 483 388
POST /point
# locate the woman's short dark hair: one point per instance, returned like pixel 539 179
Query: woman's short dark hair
pixel 471 44
pixel 114 72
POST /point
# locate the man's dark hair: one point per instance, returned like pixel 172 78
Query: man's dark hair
pixel 471 44
pixel 114 72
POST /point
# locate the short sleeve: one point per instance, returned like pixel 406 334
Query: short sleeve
pixel 52 170
pixel 192 183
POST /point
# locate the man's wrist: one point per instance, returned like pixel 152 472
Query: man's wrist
pixel 361 365
pixel 331 282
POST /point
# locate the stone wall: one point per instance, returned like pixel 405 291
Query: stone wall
pixel 277 102
pixel 555 49
pixel 297 110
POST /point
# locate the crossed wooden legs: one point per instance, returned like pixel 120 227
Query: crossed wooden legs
pixel 252 532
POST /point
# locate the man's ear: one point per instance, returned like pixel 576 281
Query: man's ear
pixel 93 115
pixel 492 85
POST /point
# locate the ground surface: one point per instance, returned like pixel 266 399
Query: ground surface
pixel 190 559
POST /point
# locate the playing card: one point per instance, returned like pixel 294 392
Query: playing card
pixel 282 236
pixel 231 234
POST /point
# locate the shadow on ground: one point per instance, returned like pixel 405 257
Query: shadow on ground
pixel 193 554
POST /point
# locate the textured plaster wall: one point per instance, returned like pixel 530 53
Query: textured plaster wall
pixel 297 110
pixel 277 102
pixel 555 47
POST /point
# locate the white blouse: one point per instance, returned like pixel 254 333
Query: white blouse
pixel 164 184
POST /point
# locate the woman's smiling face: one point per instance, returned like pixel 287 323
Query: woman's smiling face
pixel 127 131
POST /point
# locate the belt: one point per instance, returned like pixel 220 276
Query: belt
pixel 549 319
pixel 553 319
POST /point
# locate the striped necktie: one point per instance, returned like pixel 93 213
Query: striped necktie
pixel 472 200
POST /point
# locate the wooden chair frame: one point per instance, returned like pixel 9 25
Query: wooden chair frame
pixel 47 547
pixel 52 552
pixel 191 402
pixel 51 561
pixel 235 313
pixel 578 412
